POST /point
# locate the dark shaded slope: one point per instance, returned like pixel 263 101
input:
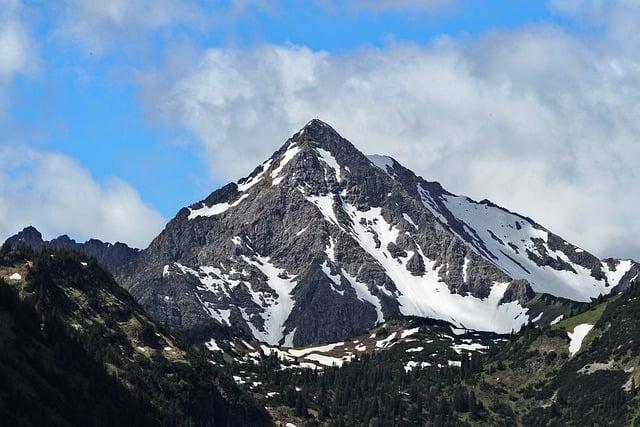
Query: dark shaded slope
pixel 78 350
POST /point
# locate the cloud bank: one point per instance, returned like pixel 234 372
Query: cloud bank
pixel 537 119
pixel 57 196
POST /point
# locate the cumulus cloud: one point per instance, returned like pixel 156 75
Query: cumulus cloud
pixel 542 121
pixel 617 20
pixel 53 193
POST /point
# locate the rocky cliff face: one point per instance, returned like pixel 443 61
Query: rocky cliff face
pixel 321 242
pixel 112 256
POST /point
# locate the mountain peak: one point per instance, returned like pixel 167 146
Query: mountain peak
pixel 315 126
pixel 29 236
pixel 321 241
pixel 319 134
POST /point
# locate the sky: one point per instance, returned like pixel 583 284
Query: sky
pixel 115 114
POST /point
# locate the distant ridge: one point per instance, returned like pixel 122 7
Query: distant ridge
pixel 111 256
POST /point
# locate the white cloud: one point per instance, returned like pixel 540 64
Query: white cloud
pixel 98 27
pixel 57 196
pixel 539 120
pixel 17 51
pixel 14 45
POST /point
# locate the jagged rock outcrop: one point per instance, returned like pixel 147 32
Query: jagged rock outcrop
pixel 112 256
pixel 321 242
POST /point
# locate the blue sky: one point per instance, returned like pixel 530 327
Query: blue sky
pixel 170 100
pixel 85 105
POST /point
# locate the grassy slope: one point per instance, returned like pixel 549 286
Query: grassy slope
pixel 590 316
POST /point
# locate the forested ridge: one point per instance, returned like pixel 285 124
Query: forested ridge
pixel 529 380
pixel 78 350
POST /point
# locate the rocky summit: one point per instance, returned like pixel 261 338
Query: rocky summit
pixel 321 242
pixel 112 256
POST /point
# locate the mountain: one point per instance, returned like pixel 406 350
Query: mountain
pixel 78 350
pixel 111 256
pixel 320 243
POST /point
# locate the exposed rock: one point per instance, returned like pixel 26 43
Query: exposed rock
pixel 321 242
pixel 111 256
pixel 518 290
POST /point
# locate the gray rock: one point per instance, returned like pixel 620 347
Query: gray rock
pixel 321 243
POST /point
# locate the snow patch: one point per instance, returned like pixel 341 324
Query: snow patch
pixel 364 294
pixel 426 295
pixel 382 162
pixel 325 204
pixel 334 280
pixel 409 220
pixel 328 158
pixel 319 349
pixel 212 345
pixel 557 319
pixel 413 364
pixel 385 342
pixel 278 310
pixel 506 239
pixel 409 332
pixel 617 273
pixel 256 179
pixel 458 348
pixel 331 249
pixel 216 209
pixel 465 269
pixel 577 336
pixel 291 152
pixel 327 360
pixel 538 317
pixel 288 340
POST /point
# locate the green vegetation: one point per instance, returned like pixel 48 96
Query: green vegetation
pixel 530 380
pixel 374 390
pixel 590 316
pixel 78 350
